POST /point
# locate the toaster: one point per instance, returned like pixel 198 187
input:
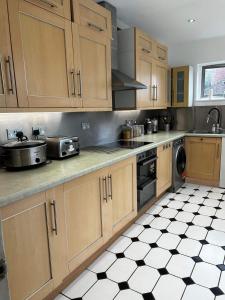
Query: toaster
pixel 59 147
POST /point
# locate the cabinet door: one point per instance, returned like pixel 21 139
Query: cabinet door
pixel 7 83
pixel 160 89
pixel 123 192
pixel 144 73
pixel 84 218
pixel 164 168
pixel 180 84
pixel 95 73
pixel 203 159
pixel 43 56
pixel 161 53
pixel 26 241
pixel 59 7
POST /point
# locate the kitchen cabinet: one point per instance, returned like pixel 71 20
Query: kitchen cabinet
pixel 59 7
pixel 164 168
pixel 203 159
pixel 182 86
pixel 34 241
pixel 95 213
pixel 144 59
pixel 94 42
pixel 8 96
pixel 43 57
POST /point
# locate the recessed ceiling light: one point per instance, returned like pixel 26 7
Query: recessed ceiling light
pixel 191 20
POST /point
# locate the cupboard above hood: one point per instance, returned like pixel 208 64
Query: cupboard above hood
pixel 120 80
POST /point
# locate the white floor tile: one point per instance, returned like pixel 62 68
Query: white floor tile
pixel 128 295
pixel 215 196
pixel 211 202
pixel 144 279
pixel 191 185
pixel 102 290
pixel 137 250
pixel 190 207
pixel 168 213
pixel 196 292
pixel 177 227
pixel 222 297
pixel 212 254
pixel 207 211
pixel 218 190
pixel 158 258
pixel 133 231
pixel 196 232
pixel 184 216
pixel 180 265
pixel 175 204
pixel 206 275
pixel 146 219
pixel 189 247
pixel 155 209
pixel 221 213
pixel 216 237
pixel 168 241
pixel 150 235
pixel 103 262
pixel 181 197
pixel 205 188
pixel 200 193
pixel 160 223
pixel 222 204
pixel 222 282
pixel 169 287
pixel 120 244
pixel 201 220
pixel 163 201
pixel 61 297
pixel 81 285
pixel 196 200
pixel 187 191
pixel 121 270
pixel 218 225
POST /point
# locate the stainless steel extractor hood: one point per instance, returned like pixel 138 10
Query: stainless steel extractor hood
pixel 120 80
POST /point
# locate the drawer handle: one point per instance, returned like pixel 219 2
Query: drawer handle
pixel 9 64
pixel 52 4
pixel 80 84
pixel 105 190
pixel 146 50
pixel 1 77
pixel 110 186
pixel 161 58
pixel 54 227
pixel 95 27
pixel 154 98
pixel 73 83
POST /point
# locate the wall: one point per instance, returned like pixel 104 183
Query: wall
pixel 197 52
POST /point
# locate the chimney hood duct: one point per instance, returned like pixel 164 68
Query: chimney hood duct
pixel 120 81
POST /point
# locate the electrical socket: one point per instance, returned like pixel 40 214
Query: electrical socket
pixel 41 129
pixel 85 125
pixel 11 133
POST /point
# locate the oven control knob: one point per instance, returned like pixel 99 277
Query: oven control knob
pixel 37 160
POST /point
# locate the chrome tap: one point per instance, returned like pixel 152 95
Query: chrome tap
pixel 215 127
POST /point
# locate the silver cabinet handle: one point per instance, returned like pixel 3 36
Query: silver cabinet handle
pixel 1 77
pixel 52 4
pixel 10 79
pixel 73 83
pixel 54 226
pixel 95 27
pixel 156 92
pixel 110 186
pixel 105 189
pixel 154 98
pixel 80 84
pixel 146 50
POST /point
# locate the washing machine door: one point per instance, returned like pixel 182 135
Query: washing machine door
pixel 180 161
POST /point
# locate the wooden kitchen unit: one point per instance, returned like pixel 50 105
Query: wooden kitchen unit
pixel 203 160
pixel 49 235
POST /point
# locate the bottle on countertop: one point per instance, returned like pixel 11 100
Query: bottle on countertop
pixel 148 126
pixel 127 130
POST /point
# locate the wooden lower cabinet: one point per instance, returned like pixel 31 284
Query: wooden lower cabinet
pixel 164 168
pixel 33 241
pixel 49 235
pixel 203 159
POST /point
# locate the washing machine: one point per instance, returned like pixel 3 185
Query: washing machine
pixel 179 164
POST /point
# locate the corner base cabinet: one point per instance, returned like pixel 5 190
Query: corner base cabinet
pixel 203 159
pixel 49 235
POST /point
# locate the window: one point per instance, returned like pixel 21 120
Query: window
pixel 213 81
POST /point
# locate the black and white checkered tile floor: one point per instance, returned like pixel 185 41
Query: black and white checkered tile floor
pixel 174 251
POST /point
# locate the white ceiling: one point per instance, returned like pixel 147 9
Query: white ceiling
pixel 166 20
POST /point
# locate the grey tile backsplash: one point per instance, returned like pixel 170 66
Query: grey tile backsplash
pixel 104 126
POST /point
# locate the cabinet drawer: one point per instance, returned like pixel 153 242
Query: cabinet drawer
pixel 59 7
pixel 93 17
pixel 162 53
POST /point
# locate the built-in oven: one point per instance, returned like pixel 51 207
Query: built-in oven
pixel 146 176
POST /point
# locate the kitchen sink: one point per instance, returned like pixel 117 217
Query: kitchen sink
pixel 222 131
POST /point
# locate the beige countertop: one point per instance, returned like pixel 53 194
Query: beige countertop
pixel 18 185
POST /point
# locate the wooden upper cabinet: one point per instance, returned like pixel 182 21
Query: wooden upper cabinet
pixel 43 57
pixel 94 33
pixel 35 265
pixel 164 168
pixel 203 159
pixel 145 46
pixel 162 53
pixel 59 7
pixel 8 96
pixel 160 86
